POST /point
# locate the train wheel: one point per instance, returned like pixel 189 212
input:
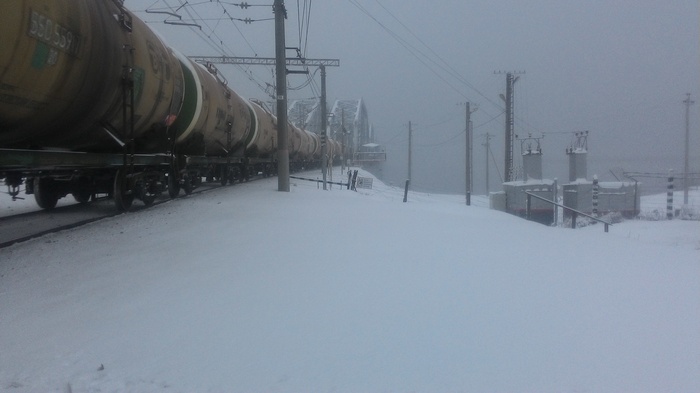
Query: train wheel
pixel 123 196
pixel 45 193
pixel 173 185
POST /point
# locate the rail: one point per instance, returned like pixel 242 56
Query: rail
pixel 574 212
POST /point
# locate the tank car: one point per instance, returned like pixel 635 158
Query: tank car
pixel 63 77
pixel 64 86
pixel 92 101
pixel 261 140
pixel 213 120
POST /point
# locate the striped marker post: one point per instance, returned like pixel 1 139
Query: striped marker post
pixel 669 196
pixel 595 195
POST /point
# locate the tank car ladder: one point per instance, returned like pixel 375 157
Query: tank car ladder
pixel 123 180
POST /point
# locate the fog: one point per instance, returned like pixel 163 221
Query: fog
pixel 618 69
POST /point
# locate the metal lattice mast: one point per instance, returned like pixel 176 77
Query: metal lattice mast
pixel 509 129
pixel 688 102
pixel 324 126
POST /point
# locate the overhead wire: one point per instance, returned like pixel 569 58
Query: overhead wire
pixel 493 158
pixel 441 63
pixel 303 23
pixel 445 65
pixel 398 133
pixel 408 46
pixel 211 36
pixel 247 70
pixel 422 57
pixel 445 142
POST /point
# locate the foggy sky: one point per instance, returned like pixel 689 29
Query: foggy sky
pixel 619 69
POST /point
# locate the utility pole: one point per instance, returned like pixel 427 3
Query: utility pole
pixel 510 133
pixel 488 148
pixel 410 141
pixel 281 69
pixel 688 102
pixel 342 146
pixel 324 125
pixel 468 156
pixel 510 129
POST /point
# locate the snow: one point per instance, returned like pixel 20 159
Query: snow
pixel 247 289
pixel 26 204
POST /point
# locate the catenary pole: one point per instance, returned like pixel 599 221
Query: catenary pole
pixel 686 168
pixel 669 196
pixel 342 133
pixel 488 147
pixel 410 141
pixel 281 96
pixel 468 158
pixel 324 125
pixel 508 171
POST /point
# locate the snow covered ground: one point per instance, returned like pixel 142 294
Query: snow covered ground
pixel 246 289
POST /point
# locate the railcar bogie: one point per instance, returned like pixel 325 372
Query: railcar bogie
pixel 123 191
pixel 46 192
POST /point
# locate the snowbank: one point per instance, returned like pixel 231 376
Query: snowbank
pixel 248 289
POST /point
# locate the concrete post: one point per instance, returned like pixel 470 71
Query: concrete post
pixel 324 126
pixel 281 70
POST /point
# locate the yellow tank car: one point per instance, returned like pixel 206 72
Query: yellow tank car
pixel 62 71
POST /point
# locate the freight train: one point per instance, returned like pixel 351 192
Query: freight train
pixel 92 101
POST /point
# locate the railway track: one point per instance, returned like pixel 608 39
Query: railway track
pixel 21 227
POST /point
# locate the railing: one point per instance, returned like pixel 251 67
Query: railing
pixel 321 181
pixel 574 212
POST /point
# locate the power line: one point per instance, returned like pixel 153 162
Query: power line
pixel 445 142
pixel 423 57
pixel 495 164
pixel 407 46
pixel 450 70
pixel 211 37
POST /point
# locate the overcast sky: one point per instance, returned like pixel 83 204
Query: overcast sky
pixel 619 69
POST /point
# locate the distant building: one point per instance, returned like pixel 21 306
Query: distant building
pixel 620 197
pixel 515 191
pixel 580 194
pixel 513 198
